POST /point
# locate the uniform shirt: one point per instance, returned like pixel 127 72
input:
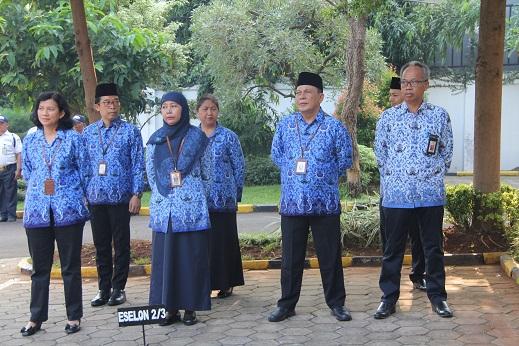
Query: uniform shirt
pixel 410 177
pixel 226 183
pixel 10 145
pixel 185 207
pixel 67 155
pixel 327 149
pixel 124 160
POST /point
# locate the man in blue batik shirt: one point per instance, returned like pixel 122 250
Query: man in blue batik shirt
pixel 114 188
pixel 312 150
pixel 413 146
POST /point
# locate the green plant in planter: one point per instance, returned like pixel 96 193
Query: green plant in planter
pixel 460 205
pixel 361 226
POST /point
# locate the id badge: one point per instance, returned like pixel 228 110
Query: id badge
pixel 301 166
pixel 175 179
pixel 432 145
pixel 101 170
pixel 48 187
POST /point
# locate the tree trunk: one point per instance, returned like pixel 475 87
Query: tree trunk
pixel 489 85
pixel 355 71
pixel 84 52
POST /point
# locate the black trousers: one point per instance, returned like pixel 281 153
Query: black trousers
pixel 111 223
pixel 41 247
pixel 326 235
pixel 398 222
pixel 418 258
pixel 8 196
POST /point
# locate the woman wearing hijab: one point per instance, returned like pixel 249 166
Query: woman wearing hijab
pixel 225 190
pixel 179 216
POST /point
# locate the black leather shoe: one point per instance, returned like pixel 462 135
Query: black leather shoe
pixel 100 299
pixel 384 310
pixel 281 314
pixel 72 328
pixel 189 318
pixel 420 285
pixel 3 219
pixel 170 319
pixel 117 298
pixel 225 293
pixel 31 330
pixel 442 309
pixel 341 313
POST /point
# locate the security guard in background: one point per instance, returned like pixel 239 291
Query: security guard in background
pixel 10 170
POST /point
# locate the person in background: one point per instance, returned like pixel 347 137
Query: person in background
pixel 312 150
pixel 79 122
pixel 413 146
pixel 179 218
pixel 10 170
pixel 114 190
pixel 417 274
pixel 225 190
pixel 55 209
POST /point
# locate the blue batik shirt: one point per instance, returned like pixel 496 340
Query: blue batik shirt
pixel 66 155
pixel 226 182
pixel 327 148
pixel 184 209
pixel 410 176
pixel 124 159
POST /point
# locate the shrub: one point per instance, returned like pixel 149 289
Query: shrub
pixel 460 203
pixel 361 227
pixel 260 170
pixel 368 167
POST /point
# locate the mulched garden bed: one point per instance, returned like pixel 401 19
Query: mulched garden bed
pixel 455 243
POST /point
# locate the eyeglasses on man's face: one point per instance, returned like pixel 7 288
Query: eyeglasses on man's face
pixel 108 103
pixel 413 82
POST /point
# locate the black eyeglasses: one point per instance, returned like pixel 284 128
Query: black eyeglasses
pixel 412 83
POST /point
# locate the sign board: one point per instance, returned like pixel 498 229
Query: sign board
pixel 141 315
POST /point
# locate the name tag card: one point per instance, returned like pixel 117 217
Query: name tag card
pixel 48 187
pixel 175 179
pixel 432 145
pixel 101 168
pixel 141 315
pixel 301 166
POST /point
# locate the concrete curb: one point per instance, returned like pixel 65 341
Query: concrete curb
pixel 348 261
pixel 510 267
pixel 501 173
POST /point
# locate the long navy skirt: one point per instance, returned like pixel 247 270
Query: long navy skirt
pixel 226 267
pixel 180 277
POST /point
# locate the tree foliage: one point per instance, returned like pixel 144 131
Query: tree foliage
pixel 132 47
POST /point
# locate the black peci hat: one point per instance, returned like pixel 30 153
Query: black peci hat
pixel 106 89
pixel 309 78
pixel 395 83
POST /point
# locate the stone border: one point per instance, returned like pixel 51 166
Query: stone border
pixel 349 261
pixel 510 267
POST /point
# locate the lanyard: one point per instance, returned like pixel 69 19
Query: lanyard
pixel 48 163
pixel 103 147
pixel 175 160
pixel 303 149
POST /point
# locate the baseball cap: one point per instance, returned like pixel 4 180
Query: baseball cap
pixel 3 119
pixel 78 118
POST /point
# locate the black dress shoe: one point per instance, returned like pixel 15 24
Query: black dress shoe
pixel 170 319
pixel 189 318
pixel 72 328
pixel 225 293
pixel 384 310
pixel 31 330
pixel 420 285
pixel 341 313
pixel 117 298
pixel 442 309
pixel 101 298
pixel 281 314
pixel 3 219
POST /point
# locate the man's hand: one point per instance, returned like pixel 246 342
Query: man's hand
pixel 135 205
pixel 18 174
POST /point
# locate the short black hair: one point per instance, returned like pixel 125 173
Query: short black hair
pixel 64 123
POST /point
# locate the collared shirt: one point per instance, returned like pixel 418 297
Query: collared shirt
pixel 327 148
pixel 410 177
pixel 10 145
pixel 66 154
pixel 124 159
pixel 185 207
pixel 226 182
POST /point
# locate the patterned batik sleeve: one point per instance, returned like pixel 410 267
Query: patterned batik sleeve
pixel 26 162
pixel 381 142
pixel 277 152
pixel 81 155
pixel 343 148
pixel 137 153
pixel 237 163
pixel 447 142
pixel 206 168
pixel 150 170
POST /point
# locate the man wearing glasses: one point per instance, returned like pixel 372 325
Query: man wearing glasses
pixel 413 145
pixel 114 188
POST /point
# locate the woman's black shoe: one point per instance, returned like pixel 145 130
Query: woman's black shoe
pixel 189 318
pixel 31 330
pixel 72 328
pixel 170 319
pixel 225 293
